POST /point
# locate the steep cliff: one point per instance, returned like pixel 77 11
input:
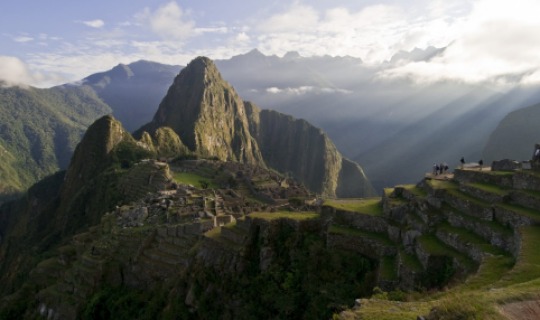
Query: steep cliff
pixel 295 146
pixel 207 114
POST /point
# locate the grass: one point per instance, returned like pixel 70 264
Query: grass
pixel 489 188
pixel 471 199
pixel 213 233
pixel 193 179
pixel 528 264
pixel 526 212
pixel 388 270
pixel 387 310
pixel 472 238
pixel 383 238
pixel 410 261
pixel 299 216
pixel 441 184
pixel 495 226
pixel 499 280
pixel 369 206
pixel 414 190
pixel 431 244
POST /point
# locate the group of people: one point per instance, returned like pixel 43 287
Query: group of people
pixel 440 168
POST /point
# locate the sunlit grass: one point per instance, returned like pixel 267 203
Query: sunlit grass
pixel 192 179
pixel 370 206
pixel 307 215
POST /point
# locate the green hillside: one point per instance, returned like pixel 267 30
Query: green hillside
pixel 39 131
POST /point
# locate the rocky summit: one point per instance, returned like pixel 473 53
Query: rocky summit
pixel 211 120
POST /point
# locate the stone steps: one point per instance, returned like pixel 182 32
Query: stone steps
pixel 526 198
pixel 502 179
pixel 491 231
pixel 469 205
pixel 515 216
pixel 466 242
pixel 485 192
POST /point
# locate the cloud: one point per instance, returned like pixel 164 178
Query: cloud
pixel 306 89
pixel 373 33
pixel 13 71
pixel 242 37
pixel 98 23
pixel 23 39
pixel 497 43
pixel 298 17
pixel 169 21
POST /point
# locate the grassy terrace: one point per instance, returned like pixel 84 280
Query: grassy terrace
pixel 353 232
pixel 472 238
pixel 192 179
pixel 471 199
pixel 434 246
pixel 441 184
pixel 285 215
pixel 489 188
pixel 414 190
pixel 388 191
pixel 491 224
pixel 528 263
pixel 369 206
pixel 526 212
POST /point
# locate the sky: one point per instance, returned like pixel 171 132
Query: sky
pixel 45 43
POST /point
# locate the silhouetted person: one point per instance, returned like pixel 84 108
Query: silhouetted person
pixel 480 163
pixel 462 160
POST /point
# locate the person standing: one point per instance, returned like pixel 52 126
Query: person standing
pixel 462 160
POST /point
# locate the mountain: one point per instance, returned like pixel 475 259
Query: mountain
pixel 133 91
pixel 40 129
pixel 515 135
pixel 294 146
pixel 213 121
pixel 207 114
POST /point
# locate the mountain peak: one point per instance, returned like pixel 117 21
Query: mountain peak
pixel 207 114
